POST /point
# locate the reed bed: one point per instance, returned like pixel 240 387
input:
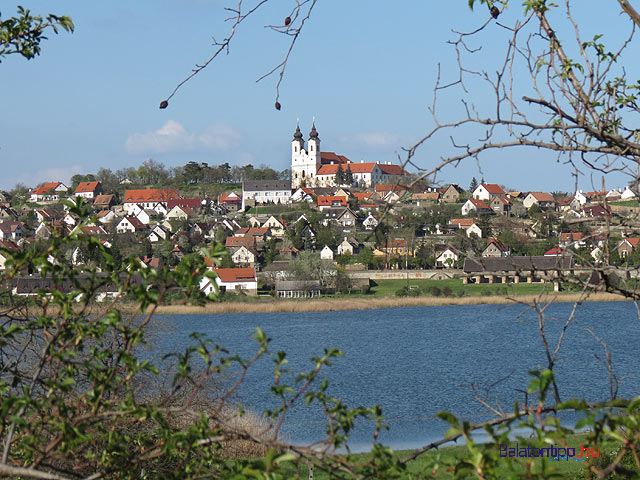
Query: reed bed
pixel 360 303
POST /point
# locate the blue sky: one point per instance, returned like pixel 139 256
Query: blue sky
pixel 364 69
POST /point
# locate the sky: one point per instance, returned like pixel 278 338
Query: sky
pixel 364 69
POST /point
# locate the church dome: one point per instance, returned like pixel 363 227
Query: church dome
pixel 314 133
pixel 298 134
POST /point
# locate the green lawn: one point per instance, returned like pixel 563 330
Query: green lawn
pixel 386 288
pixel 423 466
pixel 626 203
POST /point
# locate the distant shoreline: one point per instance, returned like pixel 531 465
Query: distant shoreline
pixel 362 303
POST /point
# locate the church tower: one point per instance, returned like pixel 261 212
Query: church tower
pixel 305 164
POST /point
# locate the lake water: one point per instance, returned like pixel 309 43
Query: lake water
pixel 416 361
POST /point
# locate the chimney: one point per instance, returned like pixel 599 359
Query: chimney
pixel 361 161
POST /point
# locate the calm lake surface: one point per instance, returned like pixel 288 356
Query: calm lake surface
pixel 417 361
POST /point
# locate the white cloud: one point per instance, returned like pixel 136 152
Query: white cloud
pixel 376 140
pixel 173 137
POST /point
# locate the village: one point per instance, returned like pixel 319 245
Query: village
pixel 328 225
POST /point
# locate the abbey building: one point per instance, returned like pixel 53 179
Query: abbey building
pixel 311 167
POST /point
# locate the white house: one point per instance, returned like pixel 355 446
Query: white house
pixel 231 280
pixel 11 231
pixel 474 205
pixel 129 225
pixel 148 197
pixel 448 258
pixel 542 199
pixel 347 247
pixel 106 216
pixel 486 191
pixel 49 192
pixel 627 194
pixel 326 253
pixel 88 190
pixel 276 226
pixel 256 192
pixel 179 213
pixel 244 256
pixel 158 234
pixel 581 198
pixel 370 222
pixel 473 229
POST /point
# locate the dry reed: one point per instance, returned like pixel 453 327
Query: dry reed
pixel 360 303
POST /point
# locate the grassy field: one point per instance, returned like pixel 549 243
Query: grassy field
pixel 625 203
pixel 386 288
pixel 423 466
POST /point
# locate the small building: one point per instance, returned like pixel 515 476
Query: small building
pixel 496 249
pixel 48 192
pixel 88 190
pixel 447 258
pixel 451 194
pixel 486 191
pixel 475 206
pixel 542 199
pixel 326 253
pixel 627 246
pixel 260 192
pixel 234 280
pixel 370 222
pixel 298 288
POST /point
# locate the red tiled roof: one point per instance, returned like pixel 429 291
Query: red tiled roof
pixel 462 222
pixel 503 199
pixel 389 188
pixel 362 195
pixel 85 187
pixel 150 195
pixel 103 199
pixel 391 169
pixel 633 241
pixel 236 274
pixel 564 201
pixel 184 202
pixel 553 252
pixel 479 204
pixel 232 197
pixel 542 196
pixel 354 167
pixel 571 237
pixel 327 157
pixel 248 241
pixel 329 200
pixel 45 188
pixel 426 196
pixel 137 224
pixel 493 188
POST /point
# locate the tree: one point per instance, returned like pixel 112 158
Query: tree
pixel 348 176
pixel 23 34
pixel 78 179
pixel 473 185
pixel 340 177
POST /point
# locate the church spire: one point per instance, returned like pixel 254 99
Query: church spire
pixel 314 133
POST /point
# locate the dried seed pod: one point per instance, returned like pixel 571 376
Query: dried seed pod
pixel 164 104
pixel 495 12
pixel 278 106
pixel 287 21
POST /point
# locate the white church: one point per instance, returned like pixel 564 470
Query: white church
pixel 312 167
